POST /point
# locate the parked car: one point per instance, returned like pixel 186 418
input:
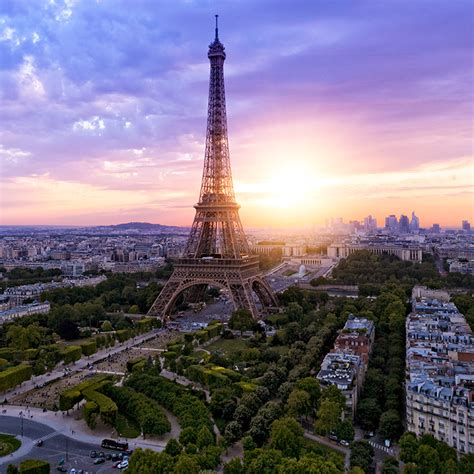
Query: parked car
pixel 343 442
pixel 99 460
pixel 116 464
pixel 108 456
pixel 39 443
pixel 115 457
pixel 102 454
pixel 333 437
pixel 61 468
pixel 123 465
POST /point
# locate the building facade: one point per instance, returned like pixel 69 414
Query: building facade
pixel 439 371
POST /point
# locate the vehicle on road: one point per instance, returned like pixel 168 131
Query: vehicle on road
pixel 116 464
pixel 123 465
pixel 344 443
pixel 39 443
pixel 333 436
pixel 61 468
pixel 93 454
pixel 99 460
pixel 112 444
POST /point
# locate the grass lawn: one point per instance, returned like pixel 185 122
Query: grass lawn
pixel 127 428
pixel 8 444
pixel 228 345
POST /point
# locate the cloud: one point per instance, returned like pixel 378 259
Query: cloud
pixel 355 87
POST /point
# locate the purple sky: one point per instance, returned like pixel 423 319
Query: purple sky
pixel 334 107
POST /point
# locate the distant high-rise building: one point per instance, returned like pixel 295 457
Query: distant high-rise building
pixel 391 223
pixel 404 224
pixel 370 223
pixel 436 228
pixel 466 225
pixel 414 223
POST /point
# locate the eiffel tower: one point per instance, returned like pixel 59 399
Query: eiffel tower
pixel 217 253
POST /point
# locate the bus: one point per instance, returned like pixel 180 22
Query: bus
pixel 112 444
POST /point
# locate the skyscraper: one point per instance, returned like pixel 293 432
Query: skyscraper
pixel 415 222
pixel 466 226
pixel 404 224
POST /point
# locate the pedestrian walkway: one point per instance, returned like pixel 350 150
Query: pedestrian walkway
pixel 381 447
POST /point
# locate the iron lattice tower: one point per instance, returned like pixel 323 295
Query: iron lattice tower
pixel 217 252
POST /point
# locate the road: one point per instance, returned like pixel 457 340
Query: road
pixel 55 447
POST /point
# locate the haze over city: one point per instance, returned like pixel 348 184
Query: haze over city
pixel 333 109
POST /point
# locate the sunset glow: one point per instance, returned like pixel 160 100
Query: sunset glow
pixel 327 115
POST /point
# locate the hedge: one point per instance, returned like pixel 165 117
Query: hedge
pixel 190 411
pixel 214 329
pixel 202 335
pixel 123 334
pixel 89 411
pixel 30 354
pixel 70 397
pixel 88 348
pixel 71 354
pixel 213 376
pixel 132 362
pixel 9 354
pixel 107 407
pixel 13 376
pixel 147 412
pixel 3 362
pixel 34 466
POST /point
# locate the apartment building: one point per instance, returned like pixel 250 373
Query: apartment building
pixel 346 365
pixel 440 371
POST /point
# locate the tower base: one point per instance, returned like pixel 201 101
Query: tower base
pixel 240 277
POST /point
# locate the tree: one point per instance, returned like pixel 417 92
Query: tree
pixel 466 464
pixel 186 464
pixel 408 447
pixel 362 454
pixel 287 436
pixel 241 320
pixel 390 424
pixel 12 469
pixel 332 393
pixel 188 435
pixel 68 330
pixel 328 416
pixel 233 431
pixel 106 326
pixel 173 448
pixel 368 413
pixel 427 460
pixel 299 403
pixel 390 465
pixel 234 466
pixel 311 385
pixel 204 438
pixel 345 430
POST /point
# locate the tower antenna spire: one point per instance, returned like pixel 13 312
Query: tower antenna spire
pixel 217 27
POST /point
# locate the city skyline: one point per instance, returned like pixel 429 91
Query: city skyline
pixel 343 111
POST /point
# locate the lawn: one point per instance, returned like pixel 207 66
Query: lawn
pixel 126 428
pixel 228 345
pixel 8 444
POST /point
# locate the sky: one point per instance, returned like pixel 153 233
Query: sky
pixel 335 108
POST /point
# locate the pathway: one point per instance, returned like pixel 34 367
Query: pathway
pixel 81 364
